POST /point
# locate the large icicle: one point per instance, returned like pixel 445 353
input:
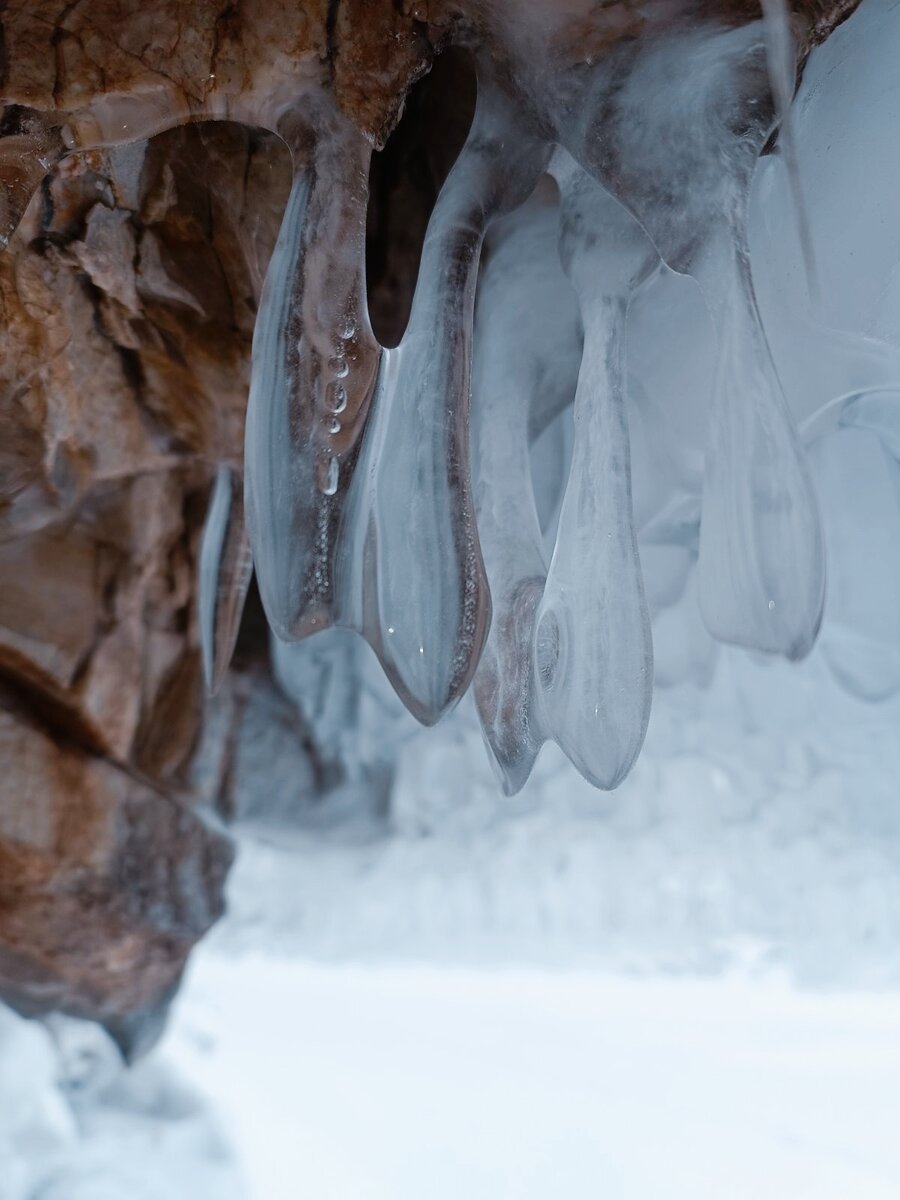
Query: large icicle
pixel 593 646
pixel 226 566
pixel 527 347
pixel 675 132
pixel 357 469
pixel 314 364
pixel 761 570
pixel 411 575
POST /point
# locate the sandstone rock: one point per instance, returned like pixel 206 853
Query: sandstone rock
pixel 105 883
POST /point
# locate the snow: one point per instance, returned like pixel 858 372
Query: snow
pixel 390 1084
pixel 686 988
pixel 74 1125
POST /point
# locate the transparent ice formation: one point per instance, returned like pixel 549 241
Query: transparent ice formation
pixel 664 193
pixel 226 566
pixel 358 493
pixel 527 349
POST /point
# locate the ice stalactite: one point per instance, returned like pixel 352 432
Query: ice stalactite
pixel 761 565
pixel 761 570
pixel 569 655
pixel 358 494
pixel 594 658
pixel 226 566
pixel 314 364
pixel 359 504
pixel 527 347
pixel 689 116
pixel 413 563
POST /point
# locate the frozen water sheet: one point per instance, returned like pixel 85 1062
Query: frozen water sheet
pixel 592 642
pixel 226 566
pixel 314 364
pixel 527 347
pixel 358 492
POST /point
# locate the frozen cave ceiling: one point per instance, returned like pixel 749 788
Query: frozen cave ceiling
pixel 439 224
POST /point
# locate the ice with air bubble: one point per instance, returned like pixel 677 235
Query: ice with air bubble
pixel 643 404
pixel 357 463
pixel 419 527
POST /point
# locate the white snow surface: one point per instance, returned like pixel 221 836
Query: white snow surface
pixel 686 988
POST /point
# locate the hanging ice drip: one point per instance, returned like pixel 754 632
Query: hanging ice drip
pixel 358 490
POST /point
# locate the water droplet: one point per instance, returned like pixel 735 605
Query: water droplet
pixel 336 397
pixel 334 425
pixel 348 329
pixel 328 475
pixel 771 605
pixel 339 367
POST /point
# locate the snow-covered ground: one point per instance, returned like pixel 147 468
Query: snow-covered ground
pixel 683 989
pixel 515 1084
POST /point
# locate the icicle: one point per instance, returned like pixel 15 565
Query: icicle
pixel 677 136
pixel 226 566
pixel 314 364
pixel 527 346
pixel 593 649
pixel 412 578
pixel 375 531
pixel 762 563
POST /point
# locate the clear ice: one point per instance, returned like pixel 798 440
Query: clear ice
pixel 226 566
pixel 357 457
pixel 681 160
pixel 592 644
pixel 527 349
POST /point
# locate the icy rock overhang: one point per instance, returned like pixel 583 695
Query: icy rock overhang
pixel 610 146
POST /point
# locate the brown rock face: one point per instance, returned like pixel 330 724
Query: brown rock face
pixel 105 883
pixel 128 294
pixel 127 299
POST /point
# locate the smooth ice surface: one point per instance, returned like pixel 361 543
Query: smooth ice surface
pixel 527 347
pixel 594 659
pixel 359 504
pixel 762 559
pixel 659 128
pixel 314 364
pixel 226 566
pixel 358 492
pixel 761 570
pixel 411 575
